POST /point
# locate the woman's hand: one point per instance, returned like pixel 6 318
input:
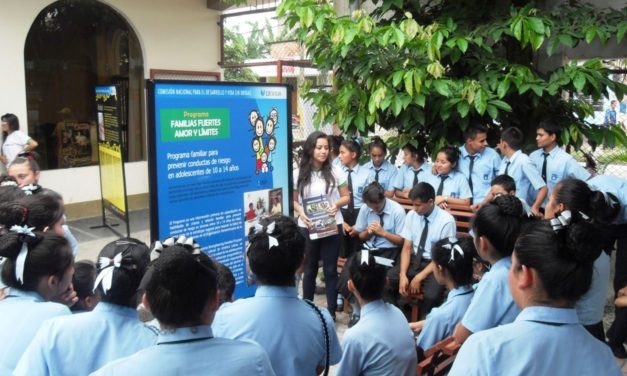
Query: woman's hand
pixel 414 286
pixel 416 326
pixel 332 210
pixel 68 298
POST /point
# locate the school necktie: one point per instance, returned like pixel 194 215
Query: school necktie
pixel 470 167
pixel 423 237
pixel 545 155
pixel 416 172
pixel 351 203
pixel 376 174
pixel 441 186
pixel 507 166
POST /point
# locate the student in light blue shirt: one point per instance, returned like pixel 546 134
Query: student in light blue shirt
pixel 424 226
pixel 554 163
pixel 575 197
pixel 504 185
pixel 381 171
pixel 478 162
pixel 299 348
pixel 381 343
pixel 80 344
pixel 356 181
pixel 453 259
pixel 334 150
pixel 495 229
pixel 414 170
pixel 529 184
pixel 34 281
pixel 379 223
pixel 451 186
pixel 614 203
pixel 549 273
pixel 181 293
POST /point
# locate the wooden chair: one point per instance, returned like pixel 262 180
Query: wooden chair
pixel 439 358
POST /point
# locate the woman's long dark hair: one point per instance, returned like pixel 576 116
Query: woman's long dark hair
pixel 306 165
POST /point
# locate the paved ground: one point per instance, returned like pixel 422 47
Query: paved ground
pixel 92 240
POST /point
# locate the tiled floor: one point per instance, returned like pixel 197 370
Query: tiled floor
pixel 92 240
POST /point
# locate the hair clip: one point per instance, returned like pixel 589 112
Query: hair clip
pixel 8 183
pixel 562 220
pixel 20 262
pixel 30 189
pixel 453 246
pixel 610 200
pixel 107 266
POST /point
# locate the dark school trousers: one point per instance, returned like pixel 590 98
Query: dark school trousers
pixel 327 250
pixel 433 292
pixel 350 244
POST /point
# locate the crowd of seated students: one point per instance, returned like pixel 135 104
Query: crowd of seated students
pixel 543 226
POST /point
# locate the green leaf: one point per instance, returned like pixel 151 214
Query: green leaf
pixel 621 29
pixel 535 24
pixel 536 41
pixel 462 44
pixel 410 27
pixel 397 106
pixel 442 87
pixel 566 40
pixel 417 81
pixel 350 35
pixel 565 136
pixel 420 100
pixel 399 37
pixel 501 105
pixel 308 17
pixel 463 107
pixel 503 87
pixel 397 77
pixel 590 34
pixel 481 101
pixel 492 111
pixel 409 82
pixel 516 28
pixel 537 89
pixel 579 81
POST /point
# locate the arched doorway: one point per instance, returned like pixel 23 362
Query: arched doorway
pixel 72 46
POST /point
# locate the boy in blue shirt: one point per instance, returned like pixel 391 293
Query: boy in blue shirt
pixel 515 163
pixel 554 163
pixel 479 163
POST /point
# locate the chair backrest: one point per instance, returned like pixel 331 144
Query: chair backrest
pixel 439 358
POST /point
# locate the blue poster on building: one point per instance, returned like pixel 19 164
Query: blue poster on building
pixel 220 160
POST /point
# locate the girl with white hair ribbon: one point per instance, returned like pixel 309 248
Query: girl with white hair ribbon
pixel 38 267
pixel 453 259
pixel 80 344
pixel 380 342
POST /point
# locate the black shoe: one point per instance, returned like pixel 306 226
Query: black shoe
pixel 619 351
pixel 354 320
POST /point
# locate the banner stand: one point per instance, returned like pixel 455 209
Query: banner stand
pixel 111 163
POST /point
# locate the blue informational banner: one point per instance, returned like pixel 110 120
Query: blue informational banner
pixel 220 160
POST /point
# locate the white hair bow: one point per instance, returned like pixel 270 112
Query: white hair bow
pixel 269 229
pixel 8 183
pixel 107 266
pixel 610 199
pixel 29 189
pixel 365 259
pixel 20 262
pixel 562 220
pixel 158 247
pixel 454 247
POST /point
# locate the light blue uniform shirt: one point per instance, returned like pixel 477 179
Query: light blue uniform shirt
pixel 559 165
pixel 193 351
pixel 294 349
pixel 359 178
pixel 441 321
pixel 381 343
pixel 615 186
pixel 393 222
pixel 21 315
pixel 493 304
pixel 542 341
pixel 387 174
pixel 527 178
pixel 590 307
pixel 485 168
pixel 455 185
pixel 441 225
pixel 82 343
pixel 405 176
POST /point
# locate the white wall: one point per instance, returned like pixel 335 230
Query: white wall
pixel 174 34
